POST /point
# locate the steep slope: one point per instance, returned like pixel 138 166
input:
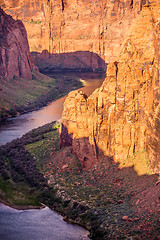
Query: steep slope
pixel 122 117
pixel 76 25
pixel 15 58
pixel 22 87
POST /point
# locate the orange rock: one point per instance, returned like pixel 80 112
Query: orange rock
pixel 122 116
pixel 69 26
pixel 125 218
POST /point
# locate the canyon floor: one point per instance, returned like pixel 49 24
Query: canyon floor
pixel 113 201
pixel 19 95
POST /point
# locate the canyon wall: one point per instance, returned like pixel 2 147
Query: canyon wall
pixel 68 26
pixel 15 58
pixel 122 117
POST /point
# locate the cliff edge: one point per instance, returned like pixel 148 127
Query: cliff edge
pixel 80 31
pixel 15 58
pixel 122 116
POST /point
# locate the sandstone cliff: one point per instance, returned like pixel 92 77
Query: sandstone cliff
pixel 15 58
pixel 98 26
pixel 122 116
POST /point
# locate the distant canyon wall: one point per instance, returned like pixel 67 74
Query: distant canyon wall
pixel 15 58
pixel 65 26
pixel 122 117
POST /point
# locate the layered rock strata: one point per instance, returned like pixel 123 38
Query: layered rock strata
pixel 122 116
pixel 98 26
pixel 15 58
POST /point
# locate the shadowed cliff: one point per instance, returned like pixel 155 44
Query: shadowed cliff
pixel 111 200
pixel 114 199
pixel 15 58
pixel 82 61
pixel 22 87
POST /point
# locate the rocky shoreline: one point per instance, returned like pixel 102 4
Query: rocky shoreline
pixel 11 172
pixel 102 199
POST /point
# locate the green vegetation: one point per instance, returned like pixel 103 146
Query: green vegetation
pixel 34 169
pixel 21 181
pixel 36 22
pixel 18 194
pixel 43 149
pixel 32 21
pixel 19 95
pixel 101 196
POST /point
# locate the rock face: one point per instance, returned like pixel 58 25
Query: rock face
pixel 67 26
pixel 122 117
pixel 77 61
pixel 15 58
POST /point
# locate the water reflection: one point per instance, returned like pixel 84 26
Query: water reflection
pixel 14 128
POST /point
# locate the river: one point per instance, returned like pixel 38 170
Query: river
pixel 42 224
pixel 15 127
pixel 35 224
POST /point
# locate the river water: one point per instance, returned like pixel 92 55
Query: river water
pixel 36 224
pixel 14 128
pixel 42 224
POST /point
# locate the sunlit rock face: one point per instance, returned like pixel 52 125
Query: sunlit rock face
pixel 15 58
pixel 64 26
pixel 122 116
